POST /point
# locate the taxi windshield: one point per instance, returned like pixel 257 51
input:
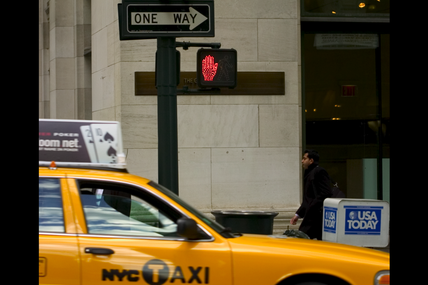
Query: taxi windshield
pixel 225 232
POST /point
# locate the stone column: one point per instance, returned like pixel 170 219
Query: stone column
pixel 62 59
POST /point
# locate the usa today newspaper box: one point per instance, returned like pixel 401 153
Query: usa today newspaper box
pixel 360 222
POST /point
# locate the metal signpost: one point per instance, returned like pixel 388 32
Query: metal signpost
pixel 165 20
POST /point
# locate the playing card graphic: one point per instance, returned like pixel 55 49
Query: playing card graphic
pixel 105 143
pixel 89 142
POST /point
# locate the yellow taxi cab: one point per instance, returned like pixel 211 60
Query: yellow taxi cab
pixel 99 224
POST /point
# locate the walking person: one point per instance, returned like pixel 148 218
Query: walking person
pixel 316 187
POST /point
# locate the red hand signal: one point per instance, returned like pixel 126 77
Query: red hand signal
pixel 209 68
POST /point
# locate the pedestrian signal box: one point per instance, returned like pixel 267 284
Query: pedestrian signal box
pixel 216 68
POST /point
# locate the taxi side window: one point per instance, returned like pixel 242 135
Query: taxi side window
pixel 51 217
pixel 113 210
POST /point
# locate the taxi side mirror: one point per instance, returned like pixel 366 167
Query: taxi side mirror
pixel 188 228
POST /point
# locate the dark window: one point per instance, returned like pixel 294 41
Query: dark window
pixel 346 103
pixel 51 217
pixel 345 8
pixel 212 223
pixel 115 209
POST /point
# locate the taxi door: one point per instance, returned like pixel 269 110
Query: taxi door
pixel 131 238
pixel 58 249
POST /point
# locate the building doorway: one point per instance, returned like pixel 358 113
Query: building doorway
pixel 346 103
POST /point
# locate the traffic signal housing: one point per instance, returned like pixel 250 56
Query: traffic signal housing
pixel 216 68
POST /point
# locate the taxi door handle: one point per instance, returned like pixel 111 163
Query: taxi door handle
pixel 99 250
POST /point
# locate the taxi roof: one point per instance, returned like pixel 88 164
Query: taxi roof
pixel 81 144
pixel 93 173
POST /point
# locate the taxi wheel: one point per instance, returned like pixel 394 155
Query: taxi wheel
pixel 311 283
pixel 314 279
pixel 332 282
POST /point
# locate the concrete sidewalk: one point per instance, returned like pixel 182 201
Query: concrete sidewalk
pixel 384 249
pixel 282 222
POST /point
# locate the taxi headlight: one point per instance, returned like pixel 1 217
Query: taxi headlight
pixel 382 278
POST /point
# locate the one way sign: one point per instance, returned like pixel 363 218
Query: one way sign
pixel 153 19
pixel 192 18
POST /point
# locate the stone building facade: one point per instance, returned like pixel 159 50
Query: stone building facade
pixel 238 152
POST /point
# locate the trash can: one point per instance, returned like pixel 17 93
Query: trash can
pixel 251 222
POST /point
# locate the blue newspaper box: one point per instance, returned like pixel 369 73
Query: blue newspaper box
pixel 360 222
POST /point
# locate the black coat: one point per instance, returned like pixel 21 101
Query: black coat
pixel 316 187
